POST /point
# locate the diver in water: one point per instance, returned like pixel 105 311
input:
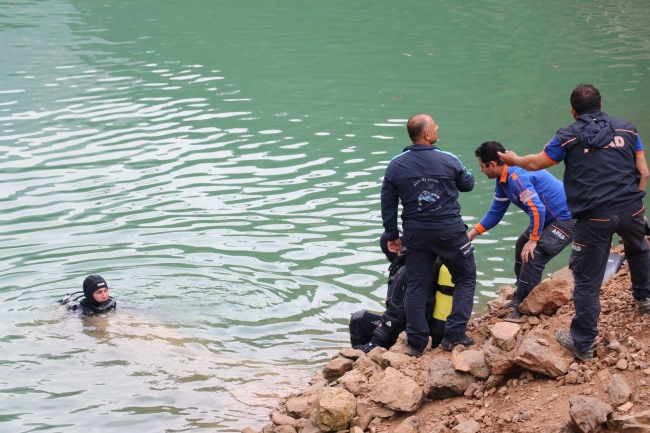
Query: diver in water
pixel 96 299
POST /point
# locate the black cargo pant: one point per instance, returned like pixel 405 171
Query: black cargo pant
pixel 457 253
pixel 590 250
pixel 554 238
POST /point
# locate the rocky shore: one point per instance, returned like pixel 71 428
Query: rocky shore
pixel 516 378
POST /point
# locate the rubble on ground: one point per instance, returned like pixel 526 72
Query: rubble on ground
pixel 515 378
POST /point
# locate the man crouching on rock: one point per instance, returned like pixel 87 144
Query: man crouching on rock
pixel 542 197
pixel 428 181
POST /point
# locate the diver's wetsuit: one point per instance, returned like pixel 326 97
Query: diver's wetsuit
pixel 91 310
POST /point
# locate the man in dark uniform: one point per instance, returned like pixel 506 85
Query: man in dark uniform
pixel 428 181
pixel 604 178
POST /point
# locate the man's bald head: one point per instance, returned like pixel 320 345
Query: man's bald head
pixel 422 129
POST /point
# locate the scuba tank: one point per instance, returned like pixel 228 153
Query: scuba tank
pixel 439 302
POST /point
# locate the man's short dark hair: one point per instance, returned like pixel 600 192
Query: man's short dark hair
pixel 415 126
pixel 584 98
pixel 488 152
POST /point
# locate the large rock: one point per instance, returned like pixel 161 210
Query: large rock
pixel 470 426
pixel 396 360
pixel 498 360
pixel 618 390
pixel 563 274
pixel 303 406
pixel 397 392
pixel 337 368
pixel 587 413
pixel 353 381
pixel 504 335
pixel 279 419
pixel 367 366
pixel 547 297
pixel 639 423
pixel 539 351
pixel 409 425
pixel 351 353
pixel 336 408
pixel 443 381
pixel 472 362
pixel 375 354
pixel 313 389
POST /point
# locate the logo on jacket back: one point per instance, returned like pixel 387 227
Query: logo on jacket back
pixel 617 142
pixel 431 197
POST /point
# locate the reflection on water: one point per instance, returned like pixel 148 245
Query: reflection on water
pixel 220 163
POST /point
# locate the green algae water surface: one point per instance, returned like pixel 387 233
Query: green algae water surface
pixel 219 163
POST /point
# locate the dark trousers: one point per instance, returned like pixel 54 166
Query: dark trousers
pixel 554 238
pixel 362 325
pixel 456 253
pixel 590 250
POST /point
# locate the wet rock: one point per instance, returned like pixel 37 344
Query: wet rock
pixel 375 354
pixel 302 407
pixel 540 352
pixel 353 381
pixel 396 360
pixel 587 413
pixel 638 423
pixel 366 366
pixel 409 425
pixel 351 353
pixel 498 360
pixel 547 297
pixel 618 390
pixel 472 362
pixel 494 380
pixel 443 381
pixel 336 408
pixel 250 430
pixel 504 335
pixel 337 368
pixel 470 426
pixel 397 392
pixel 278 419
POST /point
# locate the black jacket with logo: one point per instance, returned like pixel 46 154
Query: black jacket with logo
pixel 428 181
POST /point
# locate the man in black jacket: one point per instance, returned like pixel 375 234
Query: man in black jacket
pixel 428 181
pixel 604 178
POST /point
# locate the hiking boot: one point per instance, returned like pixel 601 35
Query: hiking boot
pixel 449 345
pixel 512 304
pixel 566 341
pixel 414 353
pixel 516 316
pixel 644 305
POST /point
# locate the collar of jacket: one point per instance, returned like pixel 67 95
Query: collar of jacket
pixel 415 147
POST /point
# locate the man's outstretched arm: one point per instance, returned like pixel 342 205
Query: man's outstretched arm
pixel 532 162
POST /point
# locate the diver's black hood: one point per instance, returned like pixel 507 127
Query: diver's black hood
pixel 593 130
pixel 91 284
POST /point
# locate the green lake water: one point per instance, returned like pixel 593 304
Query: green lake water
pixel 220 162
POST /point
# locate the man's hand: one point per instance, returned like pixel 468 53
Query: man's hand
pixel 529 248
pixel 509 157
pixel 395 246
pixel 472 234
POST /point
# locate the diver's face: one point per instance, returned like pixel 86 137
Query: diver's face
pixel 101 295
pixel 491 169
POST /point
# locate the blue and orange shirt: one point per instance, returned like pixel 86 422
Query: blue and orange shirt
pixel 599 153
pixel 538 193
